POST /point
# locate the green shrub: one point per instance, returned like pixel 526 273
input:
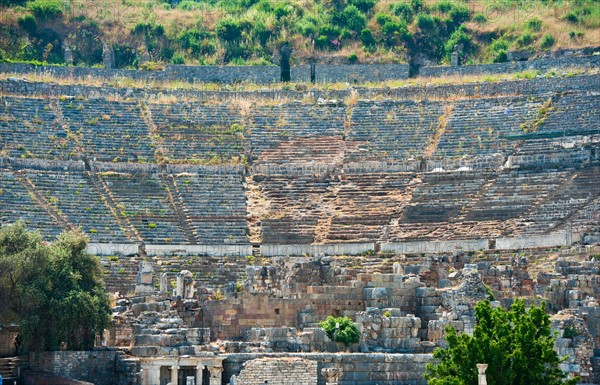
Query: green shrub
pixel 28 23
pixel 460 36
pixel 525 39
pixel 395 33
pixel 177 59
pixel 353 58
pixel 229 29
pixel 351 18
pixel 366 37
pixel 404 11
pixel 382 18
pixel 341 329
pixel 571 17
pixel 363 5
pixel 479 18
pixel 534 24
pixel 569 332
pixel 46 9
pixel 547 41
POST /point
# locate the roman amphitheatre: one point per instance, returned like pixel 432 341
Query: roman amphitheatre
pixel 231 219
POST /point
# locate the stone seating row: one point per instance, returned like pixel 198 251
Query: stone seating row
pixel 573 112
pixel 216 206
pixel 109 131
pixel 476 126
pixel 29 129
pixel 116 131
pixel 442 196
pixel 74 196
pixel 16 204
pixel 270 125
pixel 199 131
pixel 514 193
pixel 395 130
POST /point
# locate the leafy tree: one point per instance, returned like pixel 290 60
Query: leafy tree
pixel 517 345
pixel 56 290
pixel 341 329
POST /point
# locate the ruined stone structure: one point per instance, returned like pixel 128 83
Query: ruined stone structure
pixel 231 223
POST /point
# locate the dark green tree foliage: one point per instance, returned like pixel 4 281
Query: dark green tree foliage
pixel 230 30
pixel 351 18
pixel 54 292
pixel 363 5
pixel 516 344
pixel 87 47
pixel 340 329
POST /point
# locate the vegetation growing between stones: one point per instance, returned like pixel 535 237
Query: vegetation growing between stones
pixel 517 345
pixel 150 33
pixel 54 292
pixel 340 329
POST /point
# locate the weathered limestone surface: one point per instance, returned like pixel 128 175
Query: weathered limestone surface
pixel 279 371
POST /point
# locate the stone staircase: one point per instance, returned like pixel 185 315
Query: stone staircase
pixel 107 198
pixel 37 197
pixel 10 368
pixel 176 203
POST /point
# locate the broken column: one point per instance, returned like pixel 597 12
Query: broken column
pixel 144 282
pixel 482 380
pixel 185 285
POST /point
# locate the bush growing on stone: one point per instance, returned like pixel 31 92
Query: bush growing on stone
pixel 340 329
pixel 517 344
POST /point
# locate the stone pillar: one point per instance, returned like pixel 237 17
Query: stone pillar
pixel 164 285
pixel 174 373
pixel 482 380
pixel 199 369
pixel 454 59
pixel 215 375
pixel 152 375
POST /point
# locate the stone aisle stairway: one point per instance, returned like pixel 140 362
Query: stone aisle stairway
pixel 178 208
pixel 104 192
pixel 37 197
pixel 10 368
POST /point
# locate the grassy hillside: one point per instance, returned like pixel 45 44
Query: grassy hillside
pixel 251 31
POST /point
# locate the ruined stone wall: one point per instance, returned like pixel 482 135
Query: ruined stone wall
pixel 354 73
pixel 430 92
pixel 357 369
pixel 279 371
pixel 99 367
pixel 558 64
pixel 224 74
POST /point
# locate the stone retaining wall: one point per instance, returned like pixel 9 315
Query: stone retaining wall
pixel 430 92
pixel 357 368
pixel 324 73
pixel 224 74
pixel 278 371
pixel 558 64
pixel 272 250
pixel 98 367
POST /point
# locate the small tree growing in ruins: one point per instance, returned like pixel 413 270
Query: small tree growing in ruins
pixel 517 344
pixel 340 329
pixel 56 292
